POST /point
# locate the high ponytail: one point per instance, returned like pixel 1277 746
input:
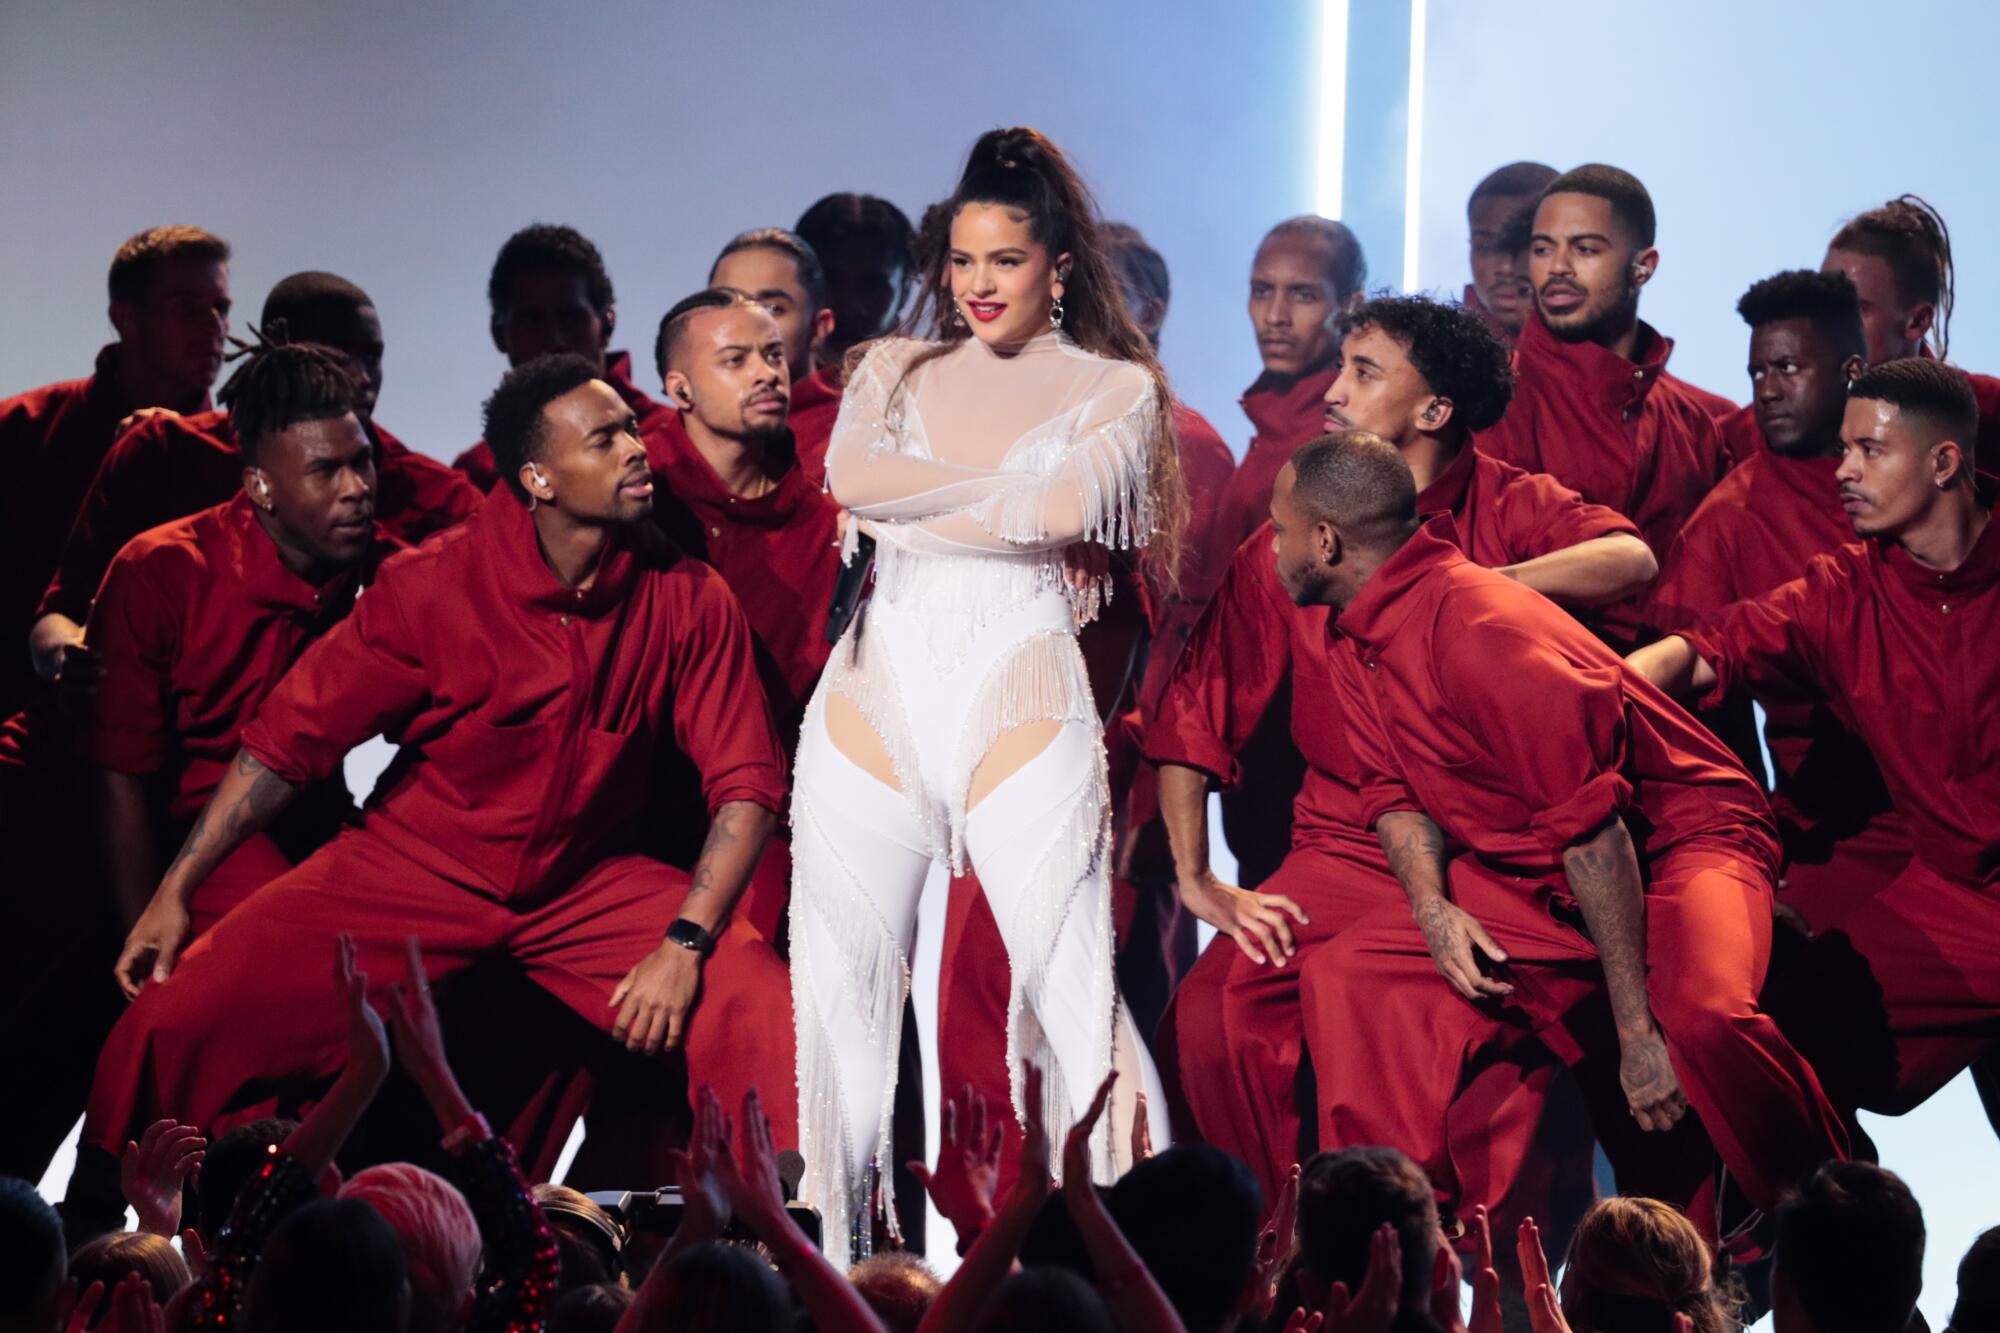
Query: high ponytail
pixel 1022 170
pixel 1908 234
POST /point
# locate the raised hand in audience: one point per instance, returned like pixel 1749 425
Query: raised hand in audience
pixel 1373 1308
pixel 1128 1287
pixel 968 1166
pixel 1277 1241
pixel 991 1257
pixel 320 1135
pixel 419 1042
pixel 1544 1310
pixel 1449 1274
pixel 153 1171
pixel 750 1178
pixel 132 1309
pixel 1304 1321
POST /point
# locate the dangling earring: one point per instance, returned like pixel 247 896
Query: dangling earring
pixel 1056 315
pixel 957 315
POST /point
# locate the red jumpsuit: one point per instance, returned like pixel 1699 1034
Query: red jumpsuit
pixel 477 462
pixel 1754 532
pixel 1618 432
pixel 815 405
pixel 529 716
pixel 169 467
pixel 197 622
pixel 51 441
pixel 1479 703
pixel 1231 1014
pixel 1901 990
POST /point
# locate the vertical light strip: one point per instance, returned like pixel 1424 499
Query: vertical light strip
pixel 1332 106
pixel 1413 148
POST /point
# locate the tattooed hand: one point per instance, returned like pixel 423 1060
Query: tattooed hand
pixel 1651 1088
pixel 1451 934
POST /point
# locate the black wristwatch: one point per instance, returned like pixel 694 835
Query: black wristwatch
pixel 691 936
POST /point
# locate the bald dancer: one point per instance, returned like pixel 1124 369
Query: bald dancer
pixel 1612 848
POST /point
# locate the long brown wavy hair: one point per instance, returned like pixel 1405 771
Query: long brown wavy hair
pixel 1021 170
pixel 1634 1264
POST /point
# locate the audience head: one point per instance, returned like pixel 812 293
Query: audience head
pixel 1344 1198
pixel 170 305
pixel 1978 1305
pixel 1045 1300
pixel 1591 252
pixel 1806 345
pixel 327 309
pixel 1142 277
pixel 1204 1270
pixel 1899 259
pixel 1497 278
pixel 1307 272
pixel 227 1164
pixel 563 437
pixel 780 272
pixel 723 1289
pixel 109 1259
pixel 1906 445
pixel 1412 367
pixel 441 1245
pixel 1345 503
pixel 898 1286
pixel 723 361
pixel 596 1308
pixel 33 1260
pixel 869 251
pixel 334 1266
pixel 591 1241
pixel 1636 1263
pixel 308 466
pixel 550 292
pixel 1849 1256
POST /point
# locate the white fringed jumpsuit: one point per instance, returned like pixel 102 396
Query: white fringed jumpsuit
pixel 974 471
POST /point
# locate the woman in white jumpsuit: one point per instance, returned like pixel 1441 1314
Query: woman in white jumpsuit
pixel 955 721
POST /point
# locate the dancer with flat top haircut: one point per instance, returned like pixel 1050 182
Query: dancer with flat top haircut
pixel 955 722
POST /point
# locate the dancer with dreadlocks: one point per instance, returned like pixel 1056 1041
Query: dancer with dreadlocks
pixel 170 465
pixel 1899 258
pixel 196 623
pixel 536 664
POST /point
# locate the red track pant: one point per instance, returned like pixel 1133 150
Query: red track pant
pixel 252 1004
pixel 1407 1040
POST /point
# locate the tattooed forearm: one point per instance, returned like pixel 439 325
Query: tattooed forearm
pixel 736 838
pixel 1603 873
pixel 1415 847
pixel 248 798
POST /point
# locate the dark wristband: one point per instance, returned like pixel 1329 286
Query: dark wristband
pixel 691 936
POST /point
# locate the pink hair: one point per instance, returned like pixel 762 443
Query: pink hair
pixel 441 1244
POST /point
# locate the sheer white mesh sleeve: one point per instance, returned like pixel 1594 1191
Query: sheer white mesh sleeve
pixel 871 469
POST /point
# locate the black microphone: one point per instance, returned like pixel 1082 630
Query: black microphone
pixel 791 1170
pixel 847 588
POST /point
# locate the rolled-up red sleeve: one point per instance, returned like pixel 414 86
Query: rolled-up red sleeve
pixel 134 631
pixel 1559 730
pixel 722 720
pixel 1770 647
pixel 1237 657
pixel 364 679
